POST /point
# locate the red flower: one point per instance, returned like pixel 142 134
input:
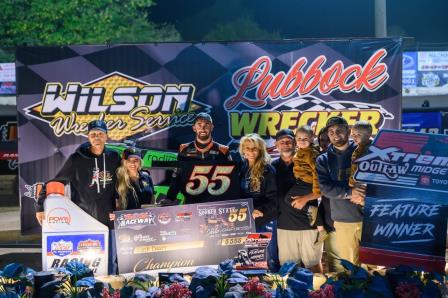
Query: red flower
pixel 255 288
pixel 114 294
pixel 176 290
pixel 407 290
pixel 325 292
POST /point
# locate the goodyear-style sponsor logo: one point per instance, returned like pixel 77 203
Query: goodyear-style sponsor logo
pixel 128 105
pixel 265 102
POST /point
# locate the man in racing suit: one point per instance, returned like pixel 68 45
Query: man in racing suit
pixel 202 148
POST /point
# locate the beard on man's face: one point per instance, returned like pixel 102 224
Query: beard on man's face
pixel 203 136
pixel 287 153
pixel 340 142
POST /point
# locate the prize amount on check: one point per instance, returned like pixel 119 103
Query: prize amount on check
pixel 232 241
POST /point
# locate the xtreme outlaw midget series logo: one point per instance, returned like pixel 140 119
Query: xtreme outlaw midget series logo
pixel 129 106
pixel 406 159
pixel 290 99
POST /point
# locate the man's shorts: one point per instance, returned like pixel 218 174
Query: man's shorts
pixel 299 246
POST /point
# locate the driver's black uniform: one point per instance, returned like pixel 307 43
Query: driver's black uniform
pixel 190 152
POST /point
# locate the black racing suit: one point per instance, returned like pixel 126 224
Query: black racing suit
pixel 190 152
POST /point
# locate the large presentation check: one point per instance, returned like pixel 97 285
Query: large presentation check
pixel 164 238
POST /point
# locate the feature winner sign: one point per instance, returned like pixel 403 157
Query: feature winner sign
pixel 150 93
pixel 406 210
pixel 160 239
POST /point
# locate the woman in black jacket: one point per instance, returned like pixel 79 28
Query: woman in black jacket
pixel 258 181
pixel 134 186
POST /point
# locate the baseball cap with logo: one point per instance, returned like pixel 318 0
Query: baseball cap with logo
pixel 204 116
pixel 131 152
pixel 284 133
pixel 97 125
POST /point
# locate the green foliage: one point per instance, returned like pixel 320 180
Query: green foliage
pixel 243 28
pixel 222 286
pixel 62 22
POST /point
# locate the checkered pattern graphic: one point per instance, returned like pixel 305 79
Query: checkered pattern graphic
pixel 311 103
pixel 207 66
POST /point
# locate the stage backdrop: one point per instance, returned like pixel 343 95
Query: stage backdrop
pixel 151 93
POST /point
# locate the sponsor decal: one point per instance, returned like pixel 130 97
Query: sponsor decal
pixel 129 106
pixel 126 250
pixel 184 216
pixel 136 219
pixel 164 218
pixel 61 248
pixel 430 80
pixel 144 238
pixel 58 217
pixel 89 245
pixel 393 165
pixel 124 238
pixel 167 233
pixel 408 61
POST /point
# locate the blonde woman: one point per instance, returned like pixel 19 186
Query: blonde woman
pixel 258 181
pixel 134 186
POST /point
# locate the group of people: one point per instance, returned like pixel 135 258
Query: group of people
pixel 318 198
pixel 306 197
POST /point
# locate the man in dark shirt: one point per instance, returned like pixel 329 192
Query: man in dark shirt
pixel 296 237
pixel 91 172
pixel 285 143
pixel 201 149
pixel 333 169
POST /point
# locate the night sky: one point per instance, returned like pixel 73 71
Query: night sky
pixel 426 21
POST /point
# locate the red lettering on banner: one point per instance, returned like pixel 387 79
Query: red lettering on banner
pixel 280 85
pixel 252 76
